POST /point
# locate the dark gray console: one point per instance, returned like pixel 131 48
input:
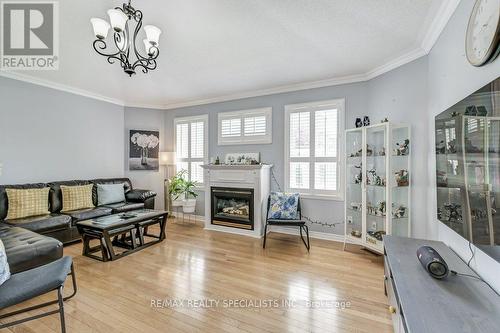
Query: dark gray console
pixel 420 304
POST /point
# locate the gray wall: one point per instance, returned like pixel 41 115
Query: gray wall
pixel 401 95
pixel 46 135
pixel 356 105
pixel 145 119
pixel 451 78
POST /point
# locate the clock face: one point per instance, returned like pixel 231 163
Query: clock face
pixel 483 32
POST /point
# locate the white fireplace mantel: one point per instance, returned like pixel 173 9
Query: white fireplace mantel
pixel 256 177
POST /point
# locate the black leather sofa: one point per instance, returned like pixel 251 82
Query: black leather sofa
pixel 26 242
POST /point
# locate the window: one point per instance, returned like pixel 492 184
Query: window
pixel 245 127
pixel 191 142
pixel 313 144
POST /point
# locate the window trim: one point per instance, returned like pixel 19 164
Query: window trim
pixel 189 120
pixel 242 139
pixel 311 193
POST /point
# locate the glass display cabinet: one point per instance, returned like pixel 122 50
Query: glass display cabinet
pixel 467 176
pixel 377 173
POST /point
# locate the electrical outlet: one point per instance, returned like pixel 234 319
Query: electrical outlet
pixel 349 220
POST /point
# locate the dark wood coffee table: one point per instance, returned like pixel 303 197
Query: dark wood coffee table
pixel 124 230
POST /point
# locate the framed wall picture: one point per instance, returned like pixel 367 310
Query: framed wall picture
pixel 144 150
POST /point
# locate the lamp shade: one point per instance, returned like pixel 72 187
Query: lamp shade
pixel 101 27
pixel 153 34
pixel 167 158
pixel 150 51
pixel 118 19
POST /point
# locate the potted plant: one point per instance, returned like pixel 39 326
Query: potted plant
pixel 176 189
pixel 189 204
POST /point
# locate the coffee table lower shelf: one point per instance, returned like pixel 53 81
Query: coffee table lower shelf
pixel 128 234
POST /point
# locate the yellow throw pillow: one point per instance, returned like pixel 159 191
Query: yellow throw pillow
pixel 27 202
pixel 76 197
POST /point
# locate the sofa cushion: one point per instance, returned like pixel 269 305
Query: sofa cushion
pixel 122 207
pixel 43 224
pixel 27 202
pixel 110 194
pixel 87 214
pixel 26 249
pixel 76 197
pixel 4 265
pixel 127 185
pixel 55 195
pixel 3 195
pixel 283 206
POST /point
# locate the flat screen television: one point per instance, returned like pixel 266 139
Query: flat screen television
pixel 468 168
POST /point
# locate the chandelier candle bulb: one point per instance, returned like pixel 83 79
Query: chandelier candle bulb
pixel 101 28
pixel 150 48
pixel 153 34
pixel 118 19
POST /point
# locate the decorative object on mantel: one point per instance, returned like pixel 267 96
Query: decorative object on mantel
pixel 482 42
pixel 242 158
pixel 385 120
pixel 125 43
pixel 144 150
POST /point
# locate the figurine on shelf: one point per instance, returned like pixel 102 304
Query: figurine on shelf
pixel 470 148
pixel 452 146
pixel 399 212
pixel 450 212
pixel 381 209
pixel 355 205
pixel 402 177
pixel 377 234
pixel 358 123
pixel 402 149
pixel 366 121
pixel 374 179
pixel 441 178
pixel 356 233
pixel 382 152
pixel 385 120
pixel 358 178
pixel 357 154
pixel 440 147
pixel 369 151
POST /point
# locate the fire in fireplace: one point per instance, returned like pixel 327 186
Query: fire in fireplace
pixel 232 207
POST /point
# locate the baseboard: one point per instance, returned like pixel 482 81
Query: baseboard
pixel 282 230
pixel 312 234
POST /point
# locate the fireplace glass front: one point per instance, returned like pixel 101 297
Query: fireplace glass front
pixel 232 207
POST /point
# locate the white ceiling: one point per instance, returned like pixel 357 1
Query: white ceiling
pixel 213 50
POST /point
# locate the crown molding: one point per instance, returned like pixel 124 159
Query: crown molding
pixel 58 86
pixel 438 24
pixel 430 36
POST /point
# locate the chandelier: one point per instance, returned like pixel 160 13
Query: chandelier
pixel 124 20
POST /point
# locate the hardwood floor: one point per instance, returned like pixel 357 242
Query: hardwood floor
pixel 194 264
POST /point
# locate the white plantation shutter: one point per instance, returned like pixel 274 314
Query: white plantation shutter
pixel 182 140
pixel 300 134
pixel 255 126
pixel 192 145
pixel 313 136
pixel 197 139
pixel 231 127
pixel 245 127
pixel 325 129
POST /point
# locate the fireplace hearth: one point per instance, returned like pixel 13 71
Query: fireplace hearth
pixel 233 207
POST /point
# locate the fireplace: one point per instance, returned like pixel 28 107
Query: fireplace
pixel 233 207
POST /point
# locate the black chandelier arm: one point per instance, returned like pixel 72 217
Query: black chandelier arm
pixel 100 44
pixel 147 66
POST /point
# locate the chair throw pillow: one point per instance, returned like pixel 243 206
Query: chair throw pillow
pixel 4 265
pixel 283 206
pixel 110 194
pixel 76 197
pixel 27 202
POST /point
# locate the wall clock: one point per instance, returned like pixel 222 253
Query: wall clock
pixel 483 32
